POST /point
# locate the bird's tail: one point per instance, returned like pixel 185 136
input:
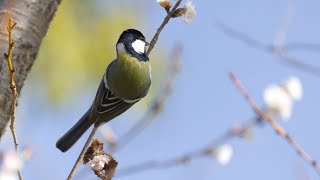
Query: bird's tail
pixel 72 136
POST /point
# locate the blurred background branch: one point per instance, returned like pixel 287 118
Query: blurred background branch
pixel 217 149
pixel 276 126
pixel 279 51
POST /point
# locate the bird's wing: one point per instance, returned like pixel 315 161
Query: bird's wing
pixel 107 106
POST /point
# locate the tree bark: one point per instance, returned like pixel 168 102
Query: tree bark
pixel 33 18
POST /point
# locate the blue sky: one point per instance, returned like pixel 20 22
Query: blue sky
pixel 203 104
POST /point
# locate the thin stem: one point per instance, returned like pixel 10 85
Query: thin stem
pixel 279 51
pixel 83 151
pixel 180 160
pixel 13 87
pixel 135 130
pixel 277 127
pixel 164 23
pixel 236 131
pixel 8 57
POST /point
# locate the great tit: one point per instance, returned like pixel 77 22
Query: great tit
pixel 127 80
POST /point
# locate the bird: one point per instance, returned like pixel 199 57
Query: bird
pixel 126 81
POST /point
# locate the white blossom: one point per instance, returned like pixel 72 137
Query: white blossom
pixel 223 154
pixel 293 87
pixel 190 12
pixel 98 162
pixel 277 101
pixel 279 98
pixel 12 161
pixel 6 175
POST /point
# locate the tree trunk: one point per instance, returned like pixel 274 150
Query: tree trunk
pixel 33 18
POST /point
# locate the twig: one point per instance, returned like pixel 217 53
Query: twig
pixel 287 20
pixel 293 46
pixel 180 160
pixel 279 51
pixel 242 130
pixel 237 131
pixel 83 151
pixel 13 87
pixel 156 104
pixel 278 129
pixel 164 23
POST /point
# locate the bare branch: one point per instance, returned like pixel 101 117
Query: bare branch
pixel 294 46
pixel 207 151
pixel 13 87
pixel 273 49
pixel 278 129
pixel 164 23
pixel 282 32
pixel 82 153
pixel 8 56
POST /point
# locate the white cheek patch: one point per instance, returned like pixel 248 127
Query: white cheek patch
pixel 139 46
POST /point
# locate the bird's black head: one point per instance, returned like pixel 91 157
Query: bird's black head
pixel 134 43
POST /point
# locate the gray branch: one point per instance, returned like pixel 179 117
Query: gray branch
pixel 33 18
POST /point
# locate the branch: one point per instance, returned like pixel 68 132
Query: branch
pixel 13 87
pixel 82 153
pixel 279 51
pixel 207 151
pixel 164 23
pixel 237 131
pixel 180 160
pixel 242 130
pixel 294 46
pixel 278 129
pixel 8 57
